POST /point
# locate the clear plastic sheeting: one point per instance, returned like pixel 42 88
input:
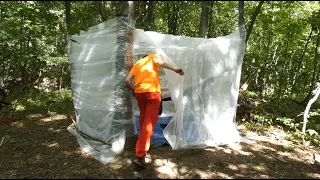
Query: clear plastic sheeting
pixel 203 102
pixel 205 98
pixel 100 59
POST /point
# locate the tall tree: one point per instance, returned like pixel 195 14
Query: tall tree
pixel 253 19
pixel 124 57
pixel 241 13
pixel 204 19
pixel 68 15
pixel 101 10
pixel 300 61
pixel 150 15
pixel 173 17
pixel 210 23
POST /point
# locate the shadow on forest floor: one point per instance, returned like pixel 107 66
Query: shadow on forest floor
pixel 41 147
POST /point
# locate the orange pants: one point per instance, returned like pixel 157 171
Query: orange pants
pixel 149 104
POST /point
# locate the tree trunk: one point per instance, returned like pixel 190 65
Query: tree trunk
pixel 314 69
pixel 253 19
pixel 203 30
pixel 137 10
pixel 124 57
pixel 102 11
pixel 68 15
pixel 300 62
pixel 173 16
pixel 283 77
pixel 262 73
pixel 125 9
pixel 150 15
pixel 241 13
pixel 210 23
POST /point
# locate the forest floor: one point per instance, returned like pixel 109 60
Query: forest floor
pixel 37 146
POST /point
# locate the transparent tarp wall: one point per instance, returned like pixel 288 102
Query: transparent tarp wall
pixel 102 109
pixel 204 99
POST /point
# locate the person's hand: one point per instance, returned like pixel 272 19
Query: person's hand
pixel 179 71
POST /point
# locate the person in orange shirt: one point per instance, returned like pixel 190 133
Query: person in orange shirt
pixel 147 91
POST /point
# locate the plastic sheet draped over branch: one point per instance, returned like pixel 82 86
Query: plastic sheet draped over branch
pixel 204 99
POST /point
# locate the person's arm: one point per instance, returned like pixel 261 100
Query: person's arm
pixel 129 83
pixel 163 64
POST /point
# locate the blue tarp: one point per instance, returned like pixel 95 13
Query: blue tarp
pixel 157 138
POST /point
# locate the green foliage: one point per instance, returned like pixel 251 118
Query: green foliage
pixel 251 94
pixel 288 115
pixel 37 101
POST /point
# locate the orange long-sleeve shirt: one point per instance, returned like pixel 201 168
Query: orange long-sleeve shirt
pixel 146 75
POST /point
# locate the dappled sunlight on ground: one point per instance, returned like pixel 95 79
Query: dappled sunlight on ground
pixel 38 148
pixel 56 117
pixel 52 145
pixel 34 116
pixel 17 124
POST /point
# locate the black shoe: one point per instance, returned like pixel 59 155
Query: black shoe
pixel 140 162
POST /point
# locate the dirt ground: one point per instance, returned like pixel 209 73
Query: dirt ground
pixel 41 147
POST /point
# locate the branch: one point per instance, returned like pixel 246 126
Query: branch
pixel 250 78
pixel 305 115
pixel 2 140
pixel 253 19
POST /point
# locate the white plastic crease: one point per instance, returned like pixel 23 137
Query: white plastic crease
pixel 203 102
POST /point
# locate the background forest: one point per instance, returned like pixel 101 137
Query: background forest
pixel 281 66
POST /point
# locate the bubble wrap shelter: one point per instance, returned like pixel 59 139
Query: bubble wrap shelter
pixel 204 100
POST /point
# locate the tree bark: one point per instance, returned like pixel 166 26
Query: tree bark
pixel 241 13
pixel 124 57
pixel 68 15
pixel 210 25
pixel 173 16
pixel 203 30
pixel 125 9
pixel 253 19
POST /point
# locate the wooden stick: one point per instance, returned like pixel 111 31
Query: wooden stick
pixel 2 140
pixel 92 138
pixel 74 123
pixel 278 158
pixel 86 136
